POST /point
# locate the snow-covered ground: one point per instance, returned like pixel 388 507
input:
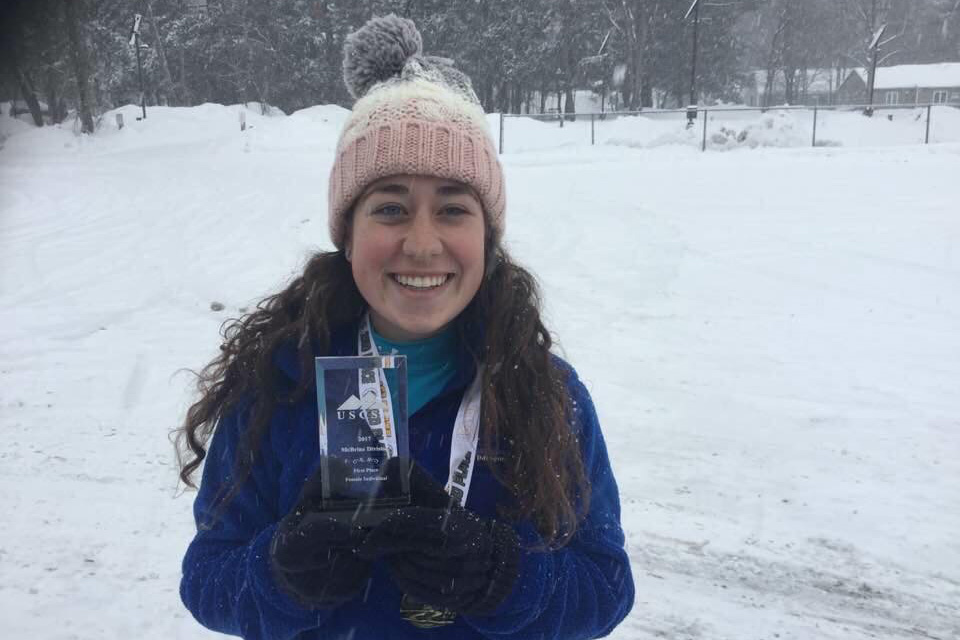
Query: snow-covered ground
pixel 770 336
pixel 735 129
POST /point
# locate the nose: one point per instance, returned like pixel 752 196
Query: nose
pixel 423 238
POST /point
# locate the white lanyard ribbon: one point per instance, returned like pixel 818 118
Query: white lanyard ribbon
pixel 375 398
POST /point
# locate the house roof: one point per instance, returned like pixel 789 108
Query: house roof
pixel 908 76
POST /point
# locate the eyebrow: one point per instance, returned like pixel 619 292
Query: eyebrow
pixel 444 190
pixel 453 189
pixel 390 188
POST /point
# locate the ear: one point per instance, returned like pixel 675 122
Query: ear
pixel 348 245
pixel 348 235
pixel 491 257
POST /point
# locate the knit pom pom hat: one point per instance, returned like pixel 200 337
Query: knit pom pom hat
pixel 414 114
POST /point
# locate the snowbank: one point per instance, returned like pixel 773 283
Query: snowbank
pixel 213 126
pixel 315 129
pixel 737 129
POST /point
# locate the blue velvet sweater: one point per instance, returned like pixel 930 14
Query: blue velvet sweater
pixel 580 591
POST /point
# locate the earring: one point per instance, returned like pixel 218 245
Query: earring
pixel 347 254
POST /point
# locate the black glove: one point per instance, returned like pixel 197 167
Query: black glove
pixel 314 556
pixel 447 558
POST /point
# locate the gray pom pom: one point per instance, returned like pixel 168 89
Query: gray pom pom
pixel 377 51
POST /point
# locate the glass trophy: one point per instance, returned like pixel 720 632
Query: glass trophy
pixel 362 416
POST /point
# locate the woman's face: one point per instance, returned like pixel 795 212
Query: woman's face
pixel 417 252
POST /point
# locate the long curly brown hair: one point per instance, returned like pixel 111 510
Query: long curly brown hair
pixel 525 400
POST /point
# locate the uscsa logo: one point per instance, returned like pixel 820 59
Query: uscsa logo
pixel 352 409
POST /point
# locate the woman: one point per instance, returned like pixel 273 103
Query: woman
pixel 514 534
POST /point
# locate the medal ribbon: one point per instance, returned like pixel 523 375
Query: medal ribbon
pixel 375 398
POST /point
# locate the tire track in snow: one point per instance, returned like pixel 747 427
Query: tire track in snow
pixel 843 589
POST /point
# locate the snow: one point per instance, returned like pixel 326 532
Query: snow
pixel 731 129
pixel 769 336
pixel 943 75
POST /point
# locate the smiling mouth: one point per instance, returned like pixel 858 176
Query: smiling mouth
pixel 421 283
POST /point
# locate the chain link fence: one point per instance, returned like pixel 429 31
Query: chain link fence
pixel 723 128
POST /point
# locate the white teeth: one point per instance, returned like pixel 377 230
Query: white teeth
pixel 419 282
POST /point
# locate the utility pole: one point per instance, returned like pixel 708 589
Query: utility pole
pixel 135 41
pixel 692 108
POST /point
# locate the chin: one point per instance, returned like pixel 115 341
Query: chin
pixel 423 328
pixel 416 328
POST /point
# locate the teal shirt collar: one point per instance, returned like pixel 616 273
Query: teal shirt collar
pixel 421 354
pixel 431 364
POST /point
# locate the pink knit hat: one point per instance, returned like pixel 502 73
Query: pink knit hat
pixel 414 114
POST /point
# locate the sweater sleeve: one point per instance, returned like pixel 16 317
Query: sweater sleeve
pixel 585 589
pixel 227 584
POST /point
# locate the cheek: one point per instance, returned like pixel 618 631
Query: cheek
pixel 369 253
pixel 470 255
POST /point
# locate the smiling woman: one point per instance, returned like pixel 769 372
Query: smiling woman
pixel 416 246
pixel 525 541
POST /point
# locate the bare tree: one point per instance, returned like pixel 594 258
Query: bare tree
pixel 631 21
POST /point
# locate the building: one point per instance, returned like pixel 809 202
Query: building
pixel 905 84
pixel 853 90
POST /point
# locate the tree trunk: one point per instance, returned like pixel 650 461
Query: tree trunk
pixel 480 88
pixel 646 92
pixel 570 104
pixel 183 88
pixel 52 79
pixel 768 86
pixel 636 34
pixel 789 85
pixel 516 98
pixel 503 97
pixel 56 109
pixel 53 104
pixel 26 87
pixel 78 55
pixel 644 86
pixel 627 89
pixel 30 97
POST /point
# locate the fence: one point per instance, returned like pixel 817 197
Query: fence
pixel 729 127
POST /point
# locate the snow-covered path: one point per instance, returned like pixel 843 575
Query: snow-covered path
pixel 770 337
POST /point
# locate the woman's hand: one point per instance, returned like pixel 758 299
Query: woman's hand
pixel 447 557
pixel 314 556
